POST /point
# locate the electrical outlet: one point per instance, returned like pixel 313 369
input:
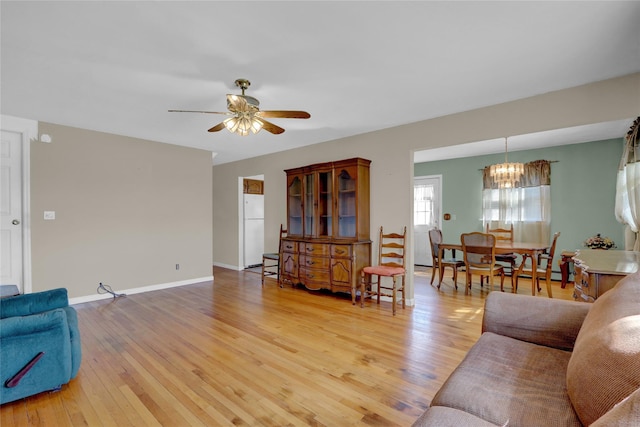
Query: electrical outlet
pixel 177 266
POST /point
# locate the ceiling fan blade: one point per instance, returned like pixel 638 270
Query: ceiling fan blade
pixel 217 127
pixel 284 114
pixel 270 127
pixel 198 111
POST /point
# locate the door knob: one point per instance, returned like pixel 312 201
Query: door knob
pixel 15 222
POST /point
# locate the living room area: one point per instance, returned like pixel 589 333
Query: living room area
pixel 147 203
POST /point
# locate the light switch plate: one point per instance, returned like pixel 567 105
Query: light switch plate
pixel 49 215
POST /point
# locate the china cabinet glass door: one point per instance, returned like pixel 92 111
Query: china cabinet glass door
pixel 325 204
pixel 309 198
pixel 295 206
pixel 346 204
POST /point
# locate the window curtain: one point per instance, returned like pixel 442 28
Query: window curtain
pixel 627 208
pixel 527 206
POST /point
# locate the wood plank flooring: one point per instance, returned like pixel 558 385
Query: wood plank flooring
pixel 231 352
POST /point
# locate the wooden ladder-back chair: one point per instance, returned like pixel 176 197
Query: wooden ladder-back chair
pixel 545 263
pixel 504 235
pixel 435 238
pixel 391 263
pixel 479 252
pixel 271 260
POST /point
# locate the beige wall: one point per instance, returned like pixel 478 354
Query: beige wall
pixel 127 211
pixel 391 153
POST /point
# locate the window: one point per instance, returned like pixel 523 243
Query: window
pixel 527 206
pixel 423 203
pixel 628 189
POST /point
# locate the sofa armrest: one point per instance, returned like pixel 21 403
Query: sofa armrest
pixel 24 337
pixel 624 414
pixel 549 322
pixel 38 302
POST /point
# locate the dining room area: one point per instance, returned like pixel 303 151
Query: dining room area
pixel 494 253
pixel 529 222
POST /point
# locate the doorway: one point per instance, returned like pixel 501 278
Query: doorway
pixel 427 191
pixel 15 258
pixel 252 225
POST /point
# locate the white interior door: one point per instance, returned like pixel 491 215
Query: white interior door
pixel 11 269
pixel 426 215
pixel 15 251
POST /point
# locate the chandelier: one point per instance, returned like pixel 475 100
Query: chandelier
pixel 506 174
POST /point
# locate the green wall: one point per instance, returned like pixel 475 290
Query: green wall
pixel 583 186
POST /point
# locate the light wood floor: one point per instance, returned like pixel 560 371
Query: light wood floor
pixel 234 353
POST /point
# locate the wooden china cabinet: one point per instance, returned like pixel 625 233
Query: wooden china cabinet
pixel 327 241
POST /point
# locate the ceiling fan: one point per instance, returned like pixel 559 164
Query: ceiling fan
pixel 246 115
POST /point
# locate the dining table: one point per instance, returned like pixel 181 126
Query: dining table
pixel 532 249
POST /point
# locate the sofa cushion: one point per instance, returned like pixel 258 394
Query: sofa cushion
pixel 503 380
pixel 605 365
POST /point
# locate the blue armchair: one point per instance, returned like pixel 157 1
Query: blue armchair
pixel 39 343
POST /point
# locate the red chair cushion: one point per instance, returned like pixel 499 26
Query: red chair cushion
pixel 382 270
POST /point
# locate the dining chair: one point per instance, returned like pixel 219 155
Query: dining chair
pixel 479 253
pixel 271 260
pixel 526 268
pixel 508 259
pixel 435 238
pixel 504 235
pixel 391 264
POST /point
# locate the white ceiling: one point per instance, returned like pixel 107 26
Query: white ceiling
pixel 356 66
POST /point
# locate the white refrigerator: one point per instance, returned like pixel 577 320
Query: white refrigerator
pixel 253 229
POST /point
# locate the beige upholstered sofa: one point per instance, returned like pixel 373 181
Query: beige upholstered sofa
pixel 546 362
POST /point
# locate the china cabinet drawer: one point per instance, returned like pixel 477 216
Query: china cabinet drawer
pixel 309 275
pixel 315 249
pixel 314 262
pixel 290 246
pixel 341 251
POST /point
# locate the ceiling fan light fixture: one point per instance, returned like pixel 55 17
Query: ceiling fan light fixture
pixel 243 124
pixel 256 125
pixel 246 115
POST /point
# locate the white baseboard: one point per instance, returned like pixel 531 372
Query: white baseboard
pixel 229 266
pixel 89 298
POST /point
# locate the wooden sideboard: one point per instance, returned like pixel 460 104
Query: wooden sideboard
pixel 327 241
pixel 597 271
pixel 331 265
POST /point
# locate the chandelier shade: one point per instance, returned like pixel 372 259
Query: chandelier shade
pixel 506 175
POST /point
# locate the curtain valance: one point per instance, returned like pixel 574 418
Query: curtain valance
pixel 536 173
